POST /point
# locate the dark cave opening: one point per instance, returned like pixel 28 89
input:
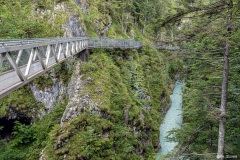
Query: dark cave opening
pixel 7 125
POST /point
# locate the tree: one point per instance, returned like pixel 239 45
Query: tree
pixel 222 122
pixel 210 16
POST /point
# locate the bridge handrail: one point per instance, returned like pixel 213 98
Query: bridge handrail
pixel 7 45
pixel 113 43
pixel 167 47
pixel 22 60
pixel 13 45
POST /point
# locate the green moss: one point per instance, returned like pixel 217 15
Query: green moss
pixel 21 21
pixel 130 88
pixel 31 139
pixel 20 101
pixel 43 81
pixel 64 71
pixel 122 82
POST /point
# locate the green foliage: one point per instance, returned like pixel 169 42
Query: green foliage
pixel 136 19
pixel 29 140
pixel 202 94
pixel 43 127
pixel 201 102
pixel 7 152
pixel 19 19
pixel 131 85
pixel 64 71
pixel 24 134
pixel 121 82
pixel 43 81
pixel 175 66
pixel 88 135
pixel 20 101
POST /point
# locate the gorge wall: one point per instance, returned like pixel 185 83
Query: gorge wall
pixel 107 108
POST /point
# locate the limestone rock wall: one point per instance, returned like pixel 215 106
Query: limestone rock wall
pixel 77 103
pixel 49 96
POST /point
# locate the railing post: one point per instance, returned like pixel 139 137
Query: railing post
pixel 2 57
pixel 72 48
pixel 66 50
pixel 29 62
pixel 76 47
pixel 19 56
pixel 48 52
pixel 40 59
pixel 59 51
pixel 54 53
pixel 79 45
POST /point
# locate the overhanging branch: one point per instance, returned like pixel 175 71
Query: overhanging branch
pixel 221 5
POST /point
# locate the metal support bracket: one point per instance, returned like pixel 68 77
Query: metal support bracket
pixel 66 50
pixel 19 56
pixel 30 60
pixel 15 67
pixel 2 57
pixel 40 59
pixel 54 53
pixel 48 53
pixel 59 52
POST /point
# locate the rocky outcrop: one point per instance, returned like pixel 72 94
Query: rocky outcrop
pixel 50 95
pixel 83 6
pixel 73 28
pixel 103 27
pixel 78 101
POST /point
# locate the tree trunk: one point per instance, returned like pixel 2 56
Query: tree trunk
pixel 222 121
pixel 123 15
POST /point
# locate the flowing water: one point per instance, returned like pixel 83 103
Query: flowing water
pixel 173 119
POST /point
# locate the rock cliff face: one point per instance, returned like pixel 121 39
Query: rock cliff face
pixel 78 104
pixel 49 96
pixel 73 28
pixel 82 5
pixel 53 94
